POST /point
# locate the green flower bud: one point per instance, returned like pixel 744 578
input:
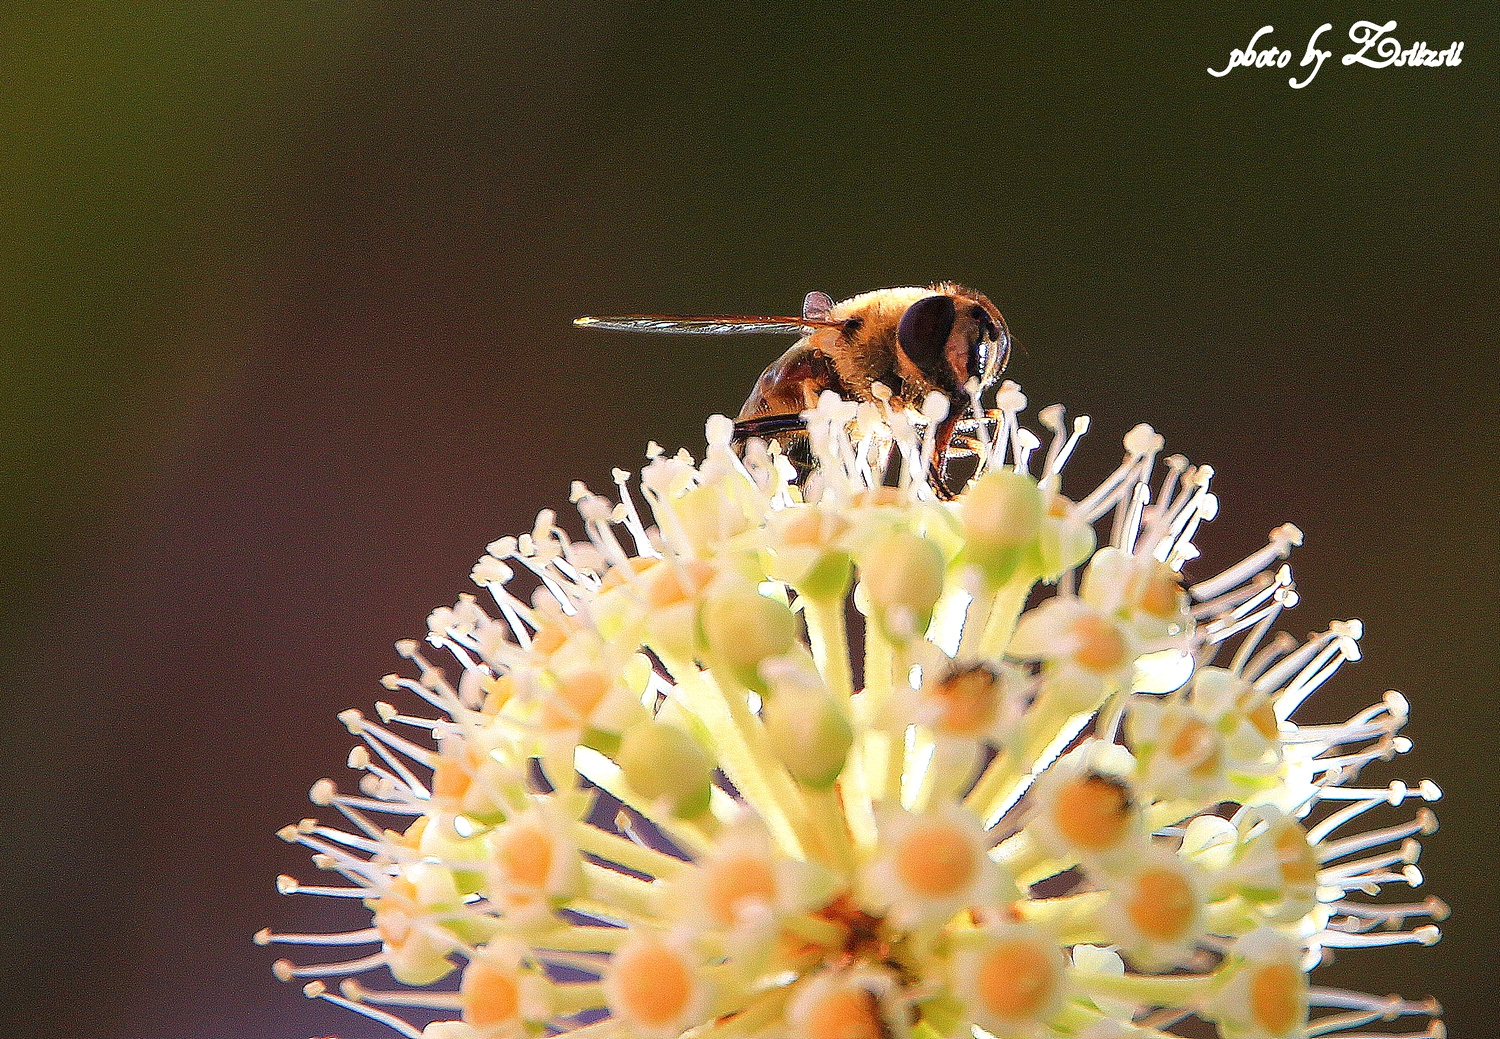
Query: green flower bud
pixel 1002 516
pixel 809 734
pixel 903 577
pixel 741 628
pixel 663 763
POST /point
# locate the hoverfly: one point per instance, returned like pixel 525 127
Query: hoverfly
pixel 914 341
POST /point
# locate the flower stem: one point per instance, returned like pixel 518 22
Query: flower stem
pixel 703 698
pixel 1000 619
pixel 627 853
pixel 826 631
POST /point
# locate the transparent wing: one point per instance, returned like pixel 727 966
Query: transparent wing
pixel 725 324
pixel 816 305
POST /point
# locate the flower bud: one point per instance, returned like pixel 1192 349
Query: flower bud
pixel 742 628
pixel 810 735
pixel 709 517
pixel 1002 515
pixel 903 575
pixel 663 763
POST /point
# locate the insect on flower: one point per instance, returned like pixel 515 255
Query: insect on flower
pixel 893 346
pixel 658 785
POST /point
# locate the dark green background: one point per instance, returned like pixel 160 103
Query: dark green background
pixel 285 343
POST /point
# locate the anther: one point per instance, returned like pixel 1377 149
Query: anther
pixel 1143 440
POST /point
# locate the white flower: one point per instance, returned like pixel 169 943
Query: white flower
pixel 1087 809
pixel 499 995
pixel 843 1005
pixel 933 865
pixel 1266 993
pixel 661 785
pixel 1221 738
pixel 1011 979
pixel 533 862
pixel 1088 652
pixel 744 888
pixel 653 986
pixel 1156 910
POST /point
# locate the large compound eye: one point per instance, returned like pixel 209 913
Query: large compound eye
pixel 923 335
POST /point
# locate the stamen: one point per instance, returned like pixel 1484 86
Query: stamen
pixel 287 885
pixel 1227 627
pixel 309 828
pixel 1297 661
pixel 352 989
pixel 1322 830
pixel 517 615
pixel 1168 503
pixel 549 582
pixel 1427 934
pixel 1388 1007
pixel 1176 545
pixel 316 990
pixel 1242 657
pixel 1283 539
pixel 1408 853
pixel 1061 446
pixel 285 970
pixel 1255 591
pixel 1343 647
pixel 1080 427
pixel 1103 497
pixel 365 936
pixel 1394 794
pixel 633 524
pixel 1023 442
pixel 1361 917
pixel 1434 1030
pixel 1279 646
pixel 1128 522
pixel 379 736
pixel 436 699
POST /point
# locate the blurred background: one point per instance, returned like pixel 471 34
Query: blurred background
pixel 285 342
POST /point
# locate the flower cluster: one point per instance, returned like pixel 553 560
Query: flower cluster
pixel 833 758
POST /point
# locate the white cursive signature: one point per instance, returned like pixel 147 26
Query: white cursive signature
pixel 1368 36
